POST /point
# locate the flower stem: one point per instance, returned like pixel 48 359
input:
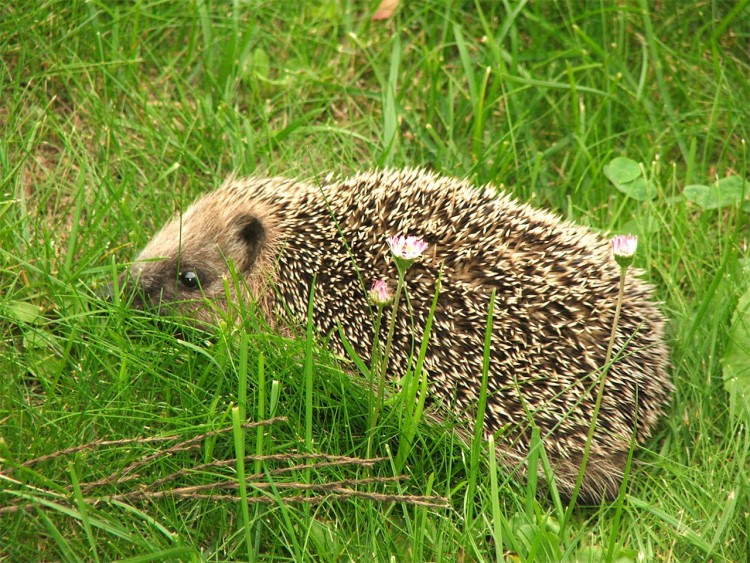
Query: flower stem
pixel 383 364
pixel 374 370
pixel 599 395
pixel 620 295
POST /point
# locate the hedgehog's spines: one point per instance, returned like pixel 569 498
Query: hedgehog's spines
pixel 556 287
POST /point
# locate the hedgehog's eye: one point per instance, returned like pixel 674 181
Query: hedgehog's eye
pixel 189 279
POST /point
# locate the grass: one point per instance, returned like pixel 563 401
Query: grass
pixel 114 115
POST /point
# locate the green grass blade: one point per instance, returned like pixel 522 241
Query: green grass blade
pixel 83 511
pixel 477 442
pixel 239 452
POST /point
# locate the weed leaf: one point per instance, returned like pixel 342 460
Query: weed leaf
pixel 23 312
pixel 627 177
pixel 736 360
pixel 725 192
pixel 622 170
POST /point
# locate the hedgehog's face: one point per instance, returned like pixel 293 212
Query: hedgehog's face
pixel 190 261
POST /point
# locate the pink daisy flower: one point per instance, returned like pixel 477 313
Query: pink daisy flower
pixel 407 248
pixel 380 294
pixel 623 248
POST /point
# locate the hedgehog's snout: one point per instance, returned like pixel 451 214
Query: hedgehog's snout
pixel 106 293
pixel 158 286
pixel 129 290
pixel 126 289
pixel 143 286
pixel 137 298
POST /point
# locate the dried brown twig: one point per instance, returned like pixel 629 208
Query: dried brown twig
pixel 95 444
pixel 331 460
pixel 194 442
pixel 260 483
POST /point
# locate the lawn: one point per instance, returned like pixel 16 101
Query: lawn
pixel 121 438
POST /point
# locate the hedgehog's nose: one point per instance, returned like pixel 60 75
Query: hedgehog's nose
pixel 136 301
pixel 125 289
pixel 132 293
pixel 106 293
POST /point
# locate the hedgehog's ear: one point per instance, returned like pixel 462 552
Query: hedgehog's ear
pixel 252 232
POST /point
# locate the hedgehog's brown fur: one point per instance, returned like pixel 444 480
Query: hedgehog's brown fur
pixel 556 288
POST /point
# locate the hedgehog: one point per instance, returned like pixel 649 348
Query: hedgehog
pixel 555 286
